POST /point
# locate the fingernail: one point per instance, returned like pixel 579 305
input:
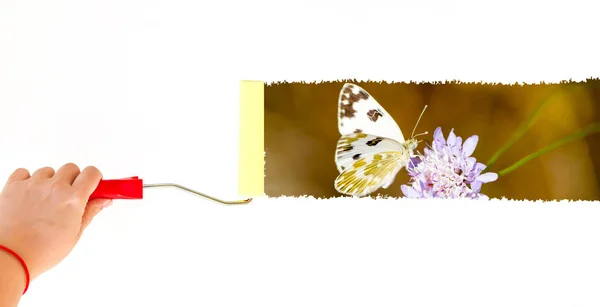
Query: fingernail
pixel 107 203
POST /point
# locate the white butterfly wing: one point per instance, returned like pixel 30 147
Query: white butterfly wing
pixel 367 163
pixel 359 112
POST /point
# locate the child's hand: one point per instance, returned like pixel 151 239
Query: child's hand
pixel 43 215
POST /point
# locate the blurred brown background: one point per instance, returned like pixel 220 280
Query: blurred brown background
pixel 301 134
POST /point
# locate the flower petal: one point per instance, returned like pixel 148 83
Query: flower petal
pixel 470 163
pixel 409 192
pixel 458 142
pixel 451 138
pixel 469 145
pixel 479 167
pixel 487 177
pixel 413 164
pixel 455 150
pixel 438 136
pixel 476 186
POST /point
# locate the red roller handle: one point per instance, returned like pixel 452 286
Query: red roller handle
pixel 125 188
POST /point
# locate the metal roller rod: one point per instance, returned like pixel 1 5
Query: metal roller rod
pixel 174 185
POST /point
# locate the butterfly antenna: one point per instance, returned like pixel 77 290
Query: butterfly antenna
pixel 418 120
pixel 424 133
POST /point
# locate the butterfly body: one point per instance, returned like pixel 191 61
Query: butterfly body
pixel 372 149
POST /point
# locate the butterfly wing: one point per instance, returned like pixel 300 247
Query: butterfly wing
pixel 367 163
pixel 359 112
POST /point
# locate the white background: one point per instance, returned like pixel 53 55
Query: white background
pixel 151 88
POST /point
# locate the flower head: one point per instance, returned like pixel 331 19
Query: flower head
pixel 447 170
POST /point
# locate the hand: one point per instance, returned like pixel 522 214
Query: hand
pixel 42 216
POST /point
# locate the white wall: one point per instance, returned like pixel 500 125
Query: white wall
pixel 150 88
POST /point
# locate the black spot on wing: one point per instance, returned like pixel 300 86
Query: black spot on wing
pixel 347 110
pixel 348 99
pixel 348 89
pixel 356 157
pixel 363 95
pixel 374 115
pixel 346 147
pixel 374 141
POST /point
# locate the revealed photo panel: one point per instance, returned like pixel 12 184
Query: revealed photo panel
pixel 448 140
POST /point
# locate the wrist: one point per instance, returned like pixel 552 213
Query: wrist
pixel 13 279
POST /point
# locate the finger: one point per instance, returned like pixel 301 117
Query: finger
pixel 87 181
pixel 43 173
pixel 92 209
pixel 67 173
pixel 18 175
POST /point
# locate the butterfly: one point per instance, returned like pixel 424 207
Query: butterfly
pixel 371 149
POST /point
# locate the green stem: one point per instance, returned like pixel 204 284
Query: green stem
pixel 519 133
pixel 595 127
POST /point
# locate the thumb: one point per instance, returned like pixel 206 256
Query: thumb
pixel 92 208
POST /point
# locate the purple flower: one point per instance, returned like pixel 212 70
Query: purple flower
pixel 447 170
